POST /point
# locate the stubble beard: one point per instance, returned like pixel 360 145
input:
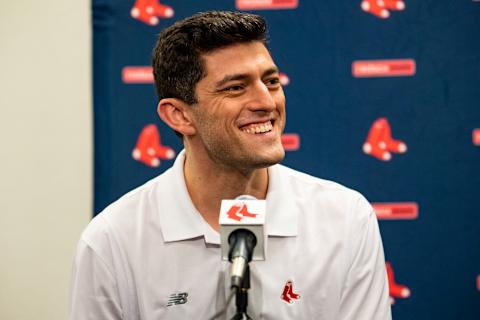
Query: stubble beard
pixel 232 154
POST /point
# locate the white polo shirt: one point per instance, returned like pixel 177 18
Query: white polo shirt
pixel 150 256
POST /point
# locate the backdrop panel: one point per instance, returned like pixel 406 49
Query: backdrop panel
pixel 382 97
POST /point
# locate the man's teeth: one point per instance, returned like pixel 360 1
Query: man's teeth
pixel 258 128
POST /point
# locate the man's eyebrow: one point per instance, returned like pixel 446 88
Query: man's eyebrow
pixel 231 77
pixel 243 76
pixel 270 71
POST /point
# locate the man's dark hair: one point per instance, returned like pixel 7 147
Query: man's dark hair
pixel 177 62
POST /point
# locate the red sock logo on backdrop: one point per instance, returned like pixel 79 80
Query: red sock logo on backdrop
pixel 149 11
pixel 288 295
pixel 149 149
pixel 380 8
pixel 380 143
pixel 396 290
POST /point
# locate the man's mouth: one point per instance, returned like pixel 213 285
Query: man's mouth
pixel 257 128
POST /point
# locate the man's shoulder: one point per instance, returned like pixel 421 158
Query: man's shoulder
pixel 303 180
pixel 332 196
pixel 130 210
pixel 135 197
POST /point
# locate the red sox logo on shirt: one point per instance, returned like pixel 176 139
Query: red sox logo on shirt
pixel 288 295
pixel 239 211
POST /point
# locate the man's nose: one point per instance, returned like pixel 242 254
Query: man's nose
pixel 261 98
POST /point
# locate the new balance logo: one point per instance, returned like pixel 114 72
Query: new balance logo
pixel 177 298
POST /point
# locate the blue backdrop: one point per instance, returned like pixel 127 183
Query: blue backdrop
pixel 382 96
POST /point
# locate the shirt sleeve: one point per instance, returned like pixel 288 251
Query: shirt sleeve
pixel 94 291
pixel 365 295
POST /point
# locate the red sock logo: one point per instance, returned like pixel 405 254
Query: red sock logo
pixel 240 211
pixel 288 295
pixel 149 149
pixel 396 290
pixel 380 143
pixel 149 11
pixel 380 8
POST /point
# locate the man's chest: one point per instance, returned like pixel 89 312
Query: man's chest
pixel 184 282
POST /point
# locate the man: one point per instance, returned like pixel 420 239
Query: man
pixel 154 253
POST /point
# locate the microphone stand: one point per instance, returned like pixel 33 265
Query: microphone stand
pixel 241 299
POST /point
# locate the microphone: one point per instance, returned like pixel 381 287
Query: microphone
pixel 242 236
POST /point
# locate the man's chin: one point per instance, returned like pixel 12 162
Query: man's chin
pixel 268 160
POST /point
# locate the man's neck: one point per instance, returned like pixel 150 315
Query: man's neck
pixel 209 184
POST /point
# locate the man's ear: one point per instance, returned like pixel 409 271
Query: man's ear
pixel 174 112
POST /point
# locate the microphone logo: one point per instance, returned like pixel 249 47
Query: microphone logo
pixel 239 211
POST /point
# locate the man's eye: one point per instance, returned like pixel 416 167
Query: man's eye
pixel 234 88
pixel 273 81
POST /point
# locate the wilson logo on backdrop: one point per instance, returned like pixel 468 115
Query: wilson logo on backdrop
pixel 265 4
pixel 137 74
pixel 291 141
pixel 382 8
pixel 476 137
pixel 380 144
pixel 396 210
pixel 150 11
pixel 383 68
pixel 149 149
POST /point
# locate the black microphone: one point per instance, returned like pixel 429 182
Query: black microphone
pixel 242 234
pixel 242 242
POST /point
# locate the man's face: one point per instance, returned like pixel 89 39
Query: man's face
pixel 240 114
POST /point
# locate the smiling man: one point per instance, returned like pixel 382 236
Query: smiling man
pixel 155 254
pixel 232 132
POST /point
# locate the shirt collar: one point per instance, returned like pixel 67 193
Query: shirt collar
pixel 180 220
pixel 282 216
